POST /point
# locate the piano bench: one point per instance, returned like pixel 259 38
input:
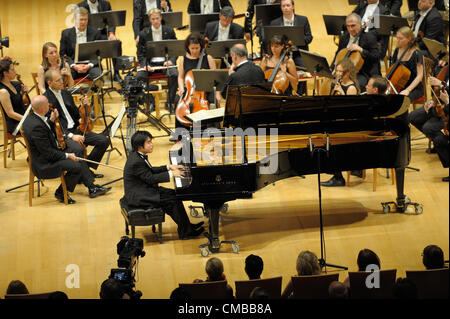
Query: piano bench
pixel 143 217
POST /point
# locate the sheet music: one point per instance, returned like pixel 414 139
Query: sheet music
pixel 205 115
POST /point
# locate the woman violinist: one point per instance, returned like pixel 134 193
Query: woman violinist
pixel 51 60
pixel 412 59
pixel 287 67
pixel 194 45
pixel 11 95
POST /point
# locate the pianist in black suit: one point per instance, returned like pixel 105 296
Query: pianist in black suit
pixel 429 20
pixel 140 13
pixel 141 181
pixel 225 28
pixel 242 71
pixel 80 33
pixel 48 161
pixel 207 6
pixel 367 46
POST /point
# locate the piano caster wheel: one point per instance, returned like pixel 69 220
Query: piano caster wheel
pixel 205 252
pixel 224 208
pixel 235 248
pixel 386 208
pixel 193 210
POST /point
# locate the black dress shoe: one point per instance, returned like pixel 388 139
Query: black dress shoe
pixel 358 173
pixel 334 182
pixel 445 179
pixel 97 175
pixel 192 233
pixel 195 226
pixel 60 196
pixel 97 190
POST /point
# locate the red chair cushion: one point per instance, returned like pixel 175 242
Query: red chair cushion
pixel 419 100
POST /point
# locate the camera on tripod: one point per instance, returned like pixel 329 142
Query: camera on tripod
pixel 129 251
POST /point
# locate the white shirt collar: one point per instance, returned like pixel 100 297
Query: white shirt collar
pixel 93 6
pixel 286 21
pixel 241 63
pixel 425 13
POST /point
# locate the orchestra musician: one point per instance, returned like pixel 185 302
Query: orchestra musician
pixel 141 179
pixel 48 161
pixel 413 60
pixel 242 71
pixel 377 85
pixel 157 32
pixel 251 13
pixel 51 60
pixel 207 6
pixel 366 45
pixel 275 48
pixel 428 20
pixel 69 118
pixel 11 95
pixel 345 84
pixel 225 28
pixel 96 6
pixel 80 33
pixel 141 9
pixel 289 18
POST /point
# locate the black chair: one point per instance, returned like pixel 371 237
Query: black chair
pixel 44 295
pixel 207 289
pixel 312 287
pixel 359 289
pixel 271 285
pixel 142 217
pixel 431 284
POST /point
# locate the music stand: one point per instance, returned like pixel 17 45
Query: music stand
pixel 296 34
pixel 197 22
pixel 334 24
pixel 98 50
pixel 207 79
pixel 388 27
pixel 172 19
pixel 317 65
pixel 436 48
pixel 222 48
pixel 265 13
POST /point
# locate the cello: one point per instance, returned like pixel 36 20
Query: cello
pixel 279 80
pixel 193 100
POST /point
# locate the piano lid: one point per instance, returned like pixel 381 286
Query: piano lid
pixel 254 105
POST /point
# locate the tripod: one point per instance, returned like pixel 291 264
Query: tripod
pixel 322 261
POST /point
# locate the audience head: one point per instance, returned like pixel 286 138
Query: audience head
pixel 112 289
pixel 433 257
pixel 54 79
pixel 7 70
pixel 307 264
pixel 194 44
pixel 142 141
pixel 214 269
pixel 367 257
pixel 58 295
pixel 49 52
pixel 16 287
pixel 254 266
pixel 404 288
pixel 259 293
pixel 155 17
pixel 81 17
pixel 376 85
pixel 180 294
pixel 226 16
pixel 39 104
pixel 337 290
pixel 353 24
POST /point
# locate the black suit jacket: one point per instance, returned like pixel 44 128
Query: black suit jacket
pixel 246 74
pixel 299 21
pixel 69 104
pixel 212 31
pixel 393 6
pixel 103 6
pixel 68 42
pixel 194 6
pixel 140 17
pixel 370 54
pixel 141 182
pixel 432 27
pixel 146 35
pixel 43 147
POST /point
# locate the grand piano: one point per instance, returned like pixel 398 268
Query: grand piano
pixel 354 132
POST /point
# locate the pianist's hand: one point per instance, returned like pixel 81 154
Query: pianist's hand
pixel 174 167
pixel 177 173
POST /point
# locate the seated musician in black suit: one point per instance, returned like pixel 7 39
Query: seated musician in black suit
pixel 428 20
pixel 141 9
pixel 10 95
pixel 366 45
pixel 141 181
pixel 369 11
pixel 69 118
pixel 80 33
pixel 48 160
pixel 393 6
pixel 225 28
pixel 157 32
pixel 207 6
pixel 289 18
pixel 242 71
pixel 96 6
pixel 441 141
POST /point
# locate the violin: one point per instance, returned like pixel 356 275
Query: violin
pixel 192 100
pixel 85 111
pixel 25 97
pixel 438 106
pixel 59 132
pixel 62 66
pixel 279 80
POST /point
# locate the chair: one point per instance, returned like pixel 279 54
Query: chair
pixel 312 287
pixel 31 176
pixel 359 289
pixel 44 295
pixel 142 217
pixel 431 284
pixel 271 285
pixel 374 181
pixel 8 138
pixel 207 289
pixel 157 94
